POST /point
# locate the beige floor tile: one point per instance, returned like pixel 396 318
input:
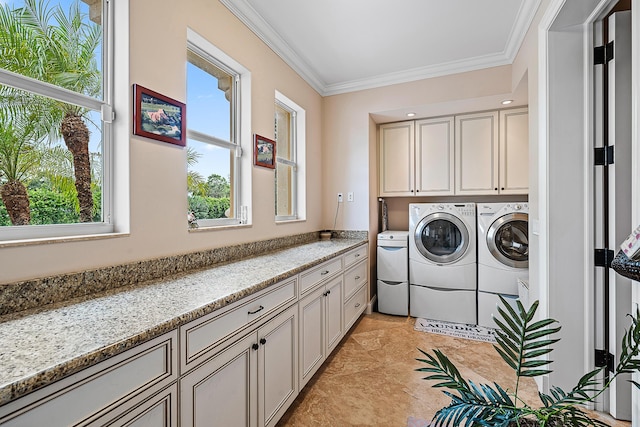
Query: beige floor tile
pixel 370 379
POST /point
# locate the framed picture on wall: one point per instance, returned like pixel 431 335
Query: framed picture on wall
pixel 158 117
pixel 264 152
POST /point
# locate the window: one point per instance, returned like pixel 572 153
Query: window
pixel 289 177
pixel 56 74
pixel 214 151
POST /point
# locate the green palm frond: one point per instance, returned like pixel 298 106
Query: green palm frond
pixel 521 343
pixel 630 352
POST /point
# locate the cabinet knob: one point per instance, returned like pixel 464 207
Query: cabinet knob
pixel 357 277
pixel 263 341
pixel 329 291
pixel 255 346
pixel 357 305
pixel 324 272
pixel 502 188
pixel 495 189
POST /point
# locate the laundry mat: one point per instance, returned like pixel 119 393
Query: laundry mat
pixel 458 330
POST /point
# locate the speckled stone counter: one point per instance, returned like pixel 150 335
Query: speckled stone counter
pixel 39 348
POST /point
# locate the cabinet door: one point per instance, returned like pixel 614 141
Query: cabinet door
pixel 333 309
pixel 477 153
pixel 434 157
pixel 277 366
pixel 514 151
pixel 397 159
pixel 312 347
pixel 222 391
pixel 159 411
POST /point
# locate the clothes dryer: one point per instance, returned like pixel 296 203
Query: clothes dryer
pixel 503 255
pixel 442 261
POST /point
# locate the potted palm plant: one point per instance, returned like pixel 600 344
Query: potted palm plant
pixel 521 342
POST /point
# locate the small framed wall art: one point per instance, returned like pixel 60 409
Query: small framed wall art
pixel 264 152
pixel 158 117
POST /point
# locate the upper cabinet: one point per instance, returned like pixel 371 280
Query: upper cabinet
pixel 397 154
pixel 470 154
pixel 416 158
pixel 514 151
pixel 477 153
pixel 434 157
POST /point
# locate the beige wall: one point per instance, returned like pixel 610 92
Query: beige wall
pixel 158 227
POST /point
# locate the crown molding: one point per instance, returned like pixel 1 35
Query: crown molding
pixel 250 17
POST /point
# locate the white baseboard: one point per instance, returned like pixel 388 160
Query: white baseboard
pixel 371 304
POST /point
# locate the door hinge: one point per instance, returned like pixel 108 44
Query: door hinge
pixel 603 257
pixel 603 54
pixel 603 155
pixel 604 359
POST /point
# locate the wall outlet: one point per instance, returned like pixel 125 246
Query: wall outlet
pixel 340 199
pixel 350 196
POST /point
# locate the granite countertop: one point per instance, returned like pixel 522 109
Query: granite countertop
pixel 40 348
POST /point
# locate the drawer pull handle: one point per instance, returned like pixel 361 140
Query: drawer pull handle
pixel 357 255
pixel 357 305
pixel 357 277
pixel 255 346
pixel 263 341
pixel 324 272
pixel 259 309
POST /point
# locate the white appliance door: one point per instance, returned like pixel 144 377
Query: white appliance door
pixel 393 264
pixel 442 304
pixel 441 238
pixel 393 298
pixel 508 240
pixel 488 304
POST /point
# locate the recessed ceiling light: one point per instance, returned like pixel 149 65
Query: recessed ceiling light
pixel 411 114
pixel 507 101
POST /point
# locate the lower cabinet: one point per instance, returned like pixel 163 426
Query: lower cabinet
pixel 320 326
pixel 240 367
pixel 109 391
pixel 249 384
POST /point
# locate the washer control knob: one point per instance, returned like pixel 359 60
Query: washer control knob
pixel 440 207
pixel 517 207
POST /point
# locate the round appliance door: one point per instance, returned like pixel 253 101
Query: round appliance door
pixel 441 237
pixel 508 240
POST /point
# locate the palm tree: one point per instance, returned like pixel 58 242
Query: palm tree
pixel 18 157
pixel 64 55
pixel 196 184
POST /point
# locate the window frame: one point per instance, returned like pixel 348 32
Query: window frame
pixel 240 117
pixel 297 146
pixel 105 107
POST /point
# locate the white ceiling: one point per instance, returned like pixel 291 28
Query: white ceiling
pixel 340 46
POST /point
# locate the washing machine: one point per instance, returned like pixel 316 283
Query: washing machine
pixel 503 255
pixel 442 261
pixel 393 272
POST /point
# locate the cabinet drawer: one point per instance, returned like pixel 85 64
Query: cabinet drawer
pixel 354 307
pixel 355 255
pixel 200 337
pixel 83 397
pixel 355 277
pixel 318 274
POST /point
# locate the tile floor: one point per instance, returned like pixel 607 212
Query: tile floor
pixel 370 379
